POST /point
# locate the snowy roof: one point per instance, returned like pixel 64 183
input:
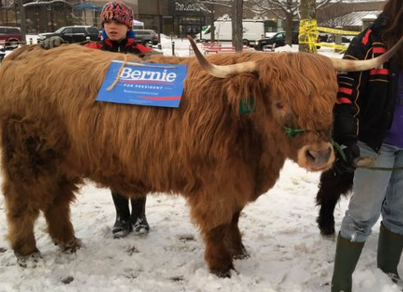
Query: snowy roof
pixel 351 19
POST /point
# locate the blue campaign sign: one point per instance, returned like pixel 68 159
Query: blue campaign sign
pixel 143 84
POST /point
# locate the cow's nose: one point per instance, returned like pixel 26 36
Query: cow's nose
pixel 319 159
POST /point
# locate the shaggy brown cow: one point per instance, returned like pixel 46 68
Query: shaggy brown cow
pixel 54 133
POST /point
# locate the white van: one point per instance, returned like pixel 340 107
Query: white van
pixel 253 30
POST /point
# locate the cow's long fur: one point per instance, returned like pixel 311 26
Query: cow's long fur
pixel 54 134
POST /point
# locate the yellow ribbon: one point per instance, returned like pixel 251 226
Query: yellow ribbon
pixel 338 31
pixel 308 33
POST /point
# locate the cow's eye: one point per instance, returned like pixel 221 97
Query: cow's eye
pixel 279 105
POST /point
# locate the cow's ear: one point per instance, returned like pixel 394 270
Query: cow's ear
pixel 244 93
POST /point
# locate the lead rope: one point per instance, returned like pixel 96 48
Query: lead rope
pixel 118 75
pixel 363 162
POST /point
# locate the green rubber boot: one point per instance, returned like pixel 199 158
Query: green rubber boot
pixel 347 255
pixel 390 246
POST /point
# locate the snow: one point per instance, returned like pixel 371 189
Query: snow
pixel 287 253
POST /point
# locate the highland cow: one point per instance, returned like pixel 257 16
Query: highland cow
pixel 219 157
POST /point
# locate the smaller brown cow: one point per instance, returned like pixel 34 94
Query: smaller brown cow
pixel 331 188
pixel 54 133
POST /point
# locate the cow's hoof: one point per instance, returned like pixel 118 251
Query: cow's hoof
pixel 70 247
pixel 29 261
pixel 328 236
pixel 326 226
pixel 240 254
pixel 223 272
pixel 327 232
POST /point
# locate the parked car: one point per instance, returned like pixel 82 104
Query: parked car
pixel 10 37
pixel 73 34
pixel 2 54
pixel 347 39
pixel 326 38
pixel 146 37
pixel 269 34
pixel 329 38
pixel 277 40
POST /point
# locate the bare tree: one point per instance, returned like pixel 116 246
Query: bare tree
pixel 209 6
pixel 18 6
pixel 236 7
pixel 308 12
pixel 237 28
pixel 7 3
pixel 23 20
pixel 331 15
pixel 282 9
pixel 289 10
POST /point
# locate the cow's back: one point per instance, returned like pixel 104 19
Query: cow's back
pixel 54 92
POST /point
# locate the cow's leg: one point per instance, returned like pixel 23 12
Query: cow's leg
pixel 32 155
pixel 21 201
pixel 214 220
pixel 57 216
pixel 331 188
pixel 325 219
pixel 217 255
pixel 21 217
pixel 233 239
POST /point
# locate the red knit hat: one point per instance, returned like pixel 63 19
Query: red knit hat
pixel 117 11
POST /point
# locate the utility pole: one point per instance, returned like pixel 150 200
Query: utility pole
pixel 237 28
pixel 23 21
pixel 159 24
pixel 212 27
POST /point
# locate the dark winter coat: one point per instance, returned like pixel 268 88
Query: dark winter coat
pixel 366 99
pixel 126 46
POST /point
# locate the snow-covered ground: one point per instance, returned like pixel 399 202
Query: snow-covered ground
pixel 287 254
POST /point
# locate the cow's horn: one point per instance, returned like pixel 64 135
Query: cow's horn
pixel 362 65
pixel 221 71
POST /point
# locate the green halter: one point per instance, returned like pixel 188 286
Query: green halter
pixel 291 132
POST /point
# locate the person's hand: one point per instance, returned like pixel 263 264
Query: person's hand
pixel 346 163
pixel 52 42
